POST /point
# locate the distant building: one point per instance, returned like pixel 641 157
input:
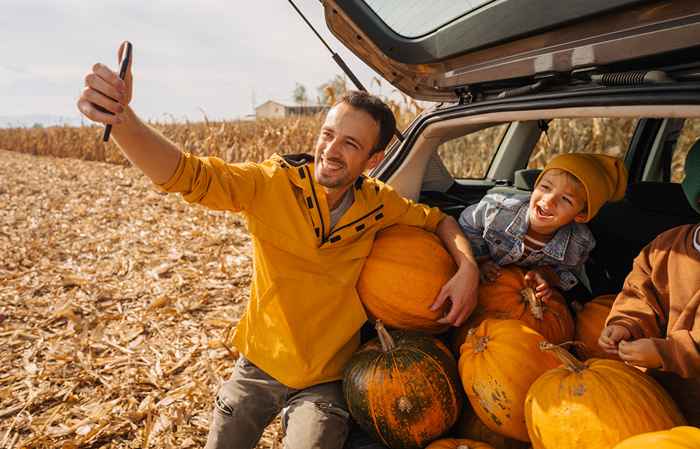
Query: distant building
pixel 276 109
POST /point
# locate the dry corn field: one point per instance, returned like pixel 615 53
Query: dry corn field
pixel 115 299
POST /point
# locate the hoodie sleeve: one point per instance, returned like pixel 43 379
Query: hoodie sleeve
pixel 638 306
pixel 679 350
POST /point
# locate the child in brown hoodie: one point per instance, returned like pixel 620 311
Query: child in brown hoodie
pixel 655 320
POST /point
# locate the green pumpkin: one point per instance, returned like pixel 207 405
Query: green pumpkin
pixel 403 388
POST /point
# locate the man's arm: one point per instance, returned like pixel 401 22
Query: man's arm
pixel 146 148
pixel 461 290
pixel 106 99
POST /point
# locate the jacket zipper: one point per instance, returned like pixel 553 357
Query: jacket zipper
pixel 358 220
pixel 318 205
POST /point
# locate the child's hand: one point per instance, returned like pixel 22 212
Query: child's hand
pixel 489 270
pixel 640 352
pixel 611 336
pixel 535 280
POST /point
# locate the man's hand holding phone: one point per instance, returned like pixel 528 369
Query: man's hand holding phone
pixel 106 95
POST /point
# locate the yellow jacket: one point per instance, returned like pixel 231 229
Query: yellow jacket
pixel 302 321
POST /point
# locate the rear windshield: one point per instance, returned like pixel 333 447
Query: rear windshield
pixel 414 18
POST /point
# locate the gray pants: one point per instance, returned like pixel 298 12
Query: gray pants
pixel 315 417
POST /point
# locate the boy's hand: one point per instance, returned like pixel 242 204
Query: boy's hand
pixel 611 336
pixel 640 352
pixel 535 280
pixel 489 270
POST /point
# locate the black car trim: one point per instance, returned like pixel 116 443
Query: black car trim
pixel 640 146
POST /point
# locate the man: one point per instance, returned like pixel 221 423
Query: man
pixel 312 222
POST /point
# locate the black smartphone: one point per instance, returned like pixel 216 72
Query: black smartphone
pixel 122 73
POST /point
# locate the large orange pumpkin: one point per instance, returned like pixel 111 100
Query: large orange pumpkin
pixel 403 388
pixel 510 298
pixel 402 277
pixel 682 437
pixel 454 443
pixel 589 324
pixel 594 404
pixel 499 361
pixel 470 426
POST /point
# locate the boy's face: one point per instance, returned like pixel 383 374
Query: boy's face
pixel 556 201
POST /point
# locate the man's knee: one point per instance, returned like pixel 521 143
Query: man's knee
pixel 316 425
pixel 243 406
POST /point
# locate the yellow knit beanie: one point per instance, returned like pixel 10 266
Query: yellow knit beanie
pixel 604 177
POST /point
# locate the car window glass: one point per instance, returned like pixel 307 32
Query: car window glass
pixel 414 18
pixel 469 157
pixel 609 136
pixel 690 133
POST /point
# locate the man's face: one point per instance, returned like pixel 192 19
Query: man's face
pixel 556 201
pixel 343 146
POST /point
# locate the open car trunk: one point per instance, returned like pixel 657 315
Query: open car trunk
pixel 437 50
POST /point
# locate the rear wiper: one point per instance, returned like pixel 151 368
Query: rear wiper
pixel 338 60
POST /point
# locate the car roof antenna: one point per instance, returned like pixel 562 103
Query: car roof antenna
pixel 338 60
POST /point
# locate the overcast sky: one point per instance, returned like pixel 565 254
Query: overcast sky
pixel 216 55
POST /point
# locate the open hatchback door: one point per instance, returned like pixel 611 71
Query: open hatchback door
pixel 442 50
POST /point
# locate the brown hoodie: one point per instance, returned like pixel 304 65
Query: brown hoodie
pixel 661 300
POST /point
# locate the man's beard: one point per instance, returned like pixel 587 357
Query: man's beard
pixel 329 182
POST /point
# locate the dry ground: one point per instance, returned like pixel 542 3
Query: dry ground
pixel 114 300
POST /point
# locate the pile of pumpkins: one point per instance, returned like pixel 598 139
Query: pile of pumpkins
pixel 407 388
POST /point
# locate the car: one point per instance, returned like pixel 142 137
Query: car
pixel 515 81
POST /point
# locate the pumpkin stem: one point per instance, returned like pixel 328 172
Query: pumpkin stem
pixel 570 362
pixel 536 307
pixel 384 337
pixel 481 344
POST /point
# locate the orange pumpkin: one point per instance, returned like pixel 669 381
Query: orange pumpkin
pixel 589 324
pixel 510 298
pixel 470 426
pixel 682 437
pixel 403 388
pixel 402 277
pixel 454 443
pixel 499 361
pixel 594 404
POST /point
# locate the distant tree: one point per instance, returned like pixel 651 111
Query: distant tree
pixel 332 89
pixel 300 96
pixel 37 126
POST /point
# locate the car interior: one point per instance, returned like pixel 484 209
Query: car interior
pixel 655 143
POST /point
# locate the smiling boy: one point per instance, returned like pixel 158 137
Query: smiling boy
pixel 544 230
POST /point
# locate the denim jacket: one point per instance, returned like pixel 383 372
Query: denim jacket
pixel 496 227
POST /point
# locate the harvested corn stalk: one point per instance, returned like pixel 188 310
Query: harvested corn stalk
pixel 87 250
